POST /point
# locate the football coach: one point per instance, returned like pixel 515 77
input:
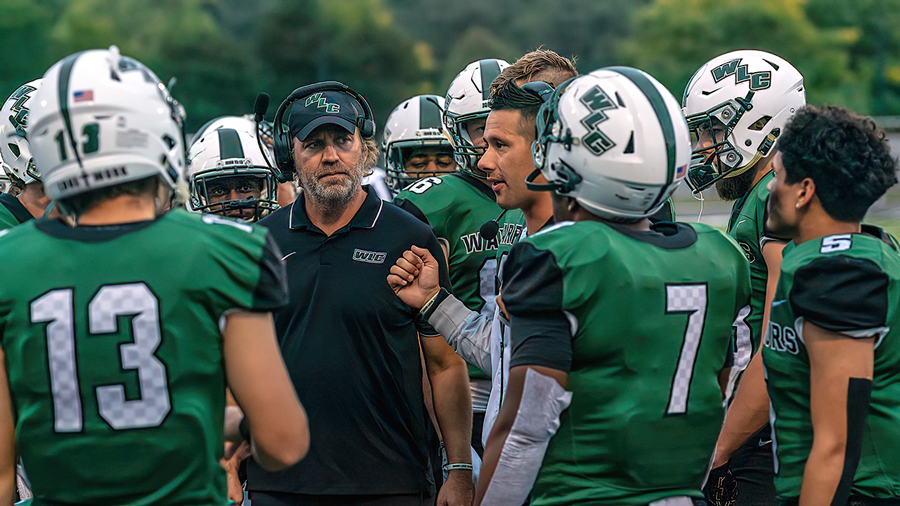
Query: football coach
pixel 353 349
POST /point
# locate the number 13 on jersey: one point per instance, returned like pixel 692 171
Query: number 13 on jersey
pixel 135 300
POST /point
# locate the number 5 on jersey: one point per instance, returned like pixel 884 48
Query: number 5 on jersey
pixel 112 301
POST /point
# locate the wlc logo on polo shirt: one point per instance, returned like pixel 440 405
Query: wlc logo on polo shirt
pixel 369 257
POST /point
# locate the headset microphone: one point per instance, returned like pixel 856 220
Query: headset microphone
pixel 260 107
pixel 489 230
pixel 259 114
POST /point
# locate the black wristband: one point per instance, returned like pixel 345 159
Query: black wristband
pixel 244 429
pixel 440 297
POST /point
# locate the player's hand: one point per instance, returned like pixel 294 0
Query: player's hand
pixel 234 454
pixel 502 306
pixel 721 487
pixel 457 490
pixel 415 277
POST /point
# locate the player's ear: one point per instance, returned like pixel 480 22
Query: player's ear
pixel 806 192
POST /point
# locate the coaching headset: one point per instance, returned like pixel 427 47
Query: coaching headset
pixel 284 144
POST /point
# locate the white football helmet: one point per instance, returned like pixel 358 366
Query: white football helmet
pixel 224 153
pixel 615 141
pixel 414 123
pixel 101 119
pixel 18 164
pixel 736 106
pixel 468 98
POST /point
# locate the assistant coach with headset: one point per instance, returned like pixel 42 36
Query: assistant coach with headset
pixel 350 345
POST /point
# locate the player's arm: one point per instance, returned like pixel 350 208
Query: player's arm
pixel 510 467
pixel 415 280
pixel 749 411
pixel 261 386
pixel 840 377
pixel 771 251
pixel 541 340
pixel 843 303
pixel 7 439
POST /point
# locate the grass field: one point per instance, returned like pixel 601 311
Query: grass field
pixel 885 213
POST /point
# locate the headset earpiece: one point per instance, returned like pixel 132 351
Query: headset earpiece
pixel 366 127
pixel 284 142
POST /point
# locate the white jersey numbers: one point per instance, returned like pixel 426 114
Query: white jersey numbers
pixel 681 299
pixel 133 300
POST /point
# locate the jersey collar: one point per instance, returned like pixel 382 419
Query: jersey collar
pixel 15 207
pixel 477 184
pixel 366 217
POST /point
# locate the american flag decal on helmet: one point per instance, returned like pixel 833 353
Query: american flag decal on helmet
pixel 83 96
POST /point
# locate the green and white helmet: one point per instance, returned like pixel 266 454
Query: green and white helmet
pixel 416 122
pixel 18 163
pixel 614 140
pixel 101 119
pixel 467 99
pixel 736 106
pixel 225 149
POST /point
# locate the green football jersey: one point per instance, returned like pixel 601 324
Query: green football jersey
pixel 114 353
pixel 652 314
pixel 12 212
pixel 849 284
pixel 747 225
pixel 457 206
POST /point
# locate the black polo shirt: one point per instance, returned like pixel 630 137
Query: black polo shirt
pixel 351 348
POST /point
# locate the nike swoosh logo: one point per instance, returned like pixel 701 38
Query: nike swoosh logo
pixel 288 255
pixel 739 223
pixel 708 93
pixel 778 302
pixel 763 442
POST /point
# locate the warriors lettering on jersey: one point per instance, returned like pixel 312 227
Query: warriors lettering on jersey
pixel 507 236
pixel 782 338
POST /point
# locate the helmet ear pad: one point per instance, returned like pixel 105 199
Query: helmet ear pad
pixel 284 142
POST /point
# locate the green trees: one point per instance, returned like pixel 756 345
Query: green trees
pixel 223 52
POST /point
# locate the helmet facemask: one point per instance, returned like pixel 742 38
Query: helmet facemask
pixel 399 153
pixel 718 158
pixel 465 152
pixel 208 186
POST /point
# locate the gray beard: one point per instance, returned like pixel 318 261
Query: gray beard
pixel 733 188
pixel 333 199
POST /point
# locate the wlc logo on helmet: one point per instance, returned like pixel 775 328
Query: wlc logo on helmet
pixel 20 119
pixel 597 101
pixel 758 80
pixel 322 103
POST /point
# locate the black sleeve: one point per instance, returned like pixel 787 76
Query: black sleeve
pixel 271 290
pixel 533 294
pixel 432 245
pixel 841 294
pixel 411 209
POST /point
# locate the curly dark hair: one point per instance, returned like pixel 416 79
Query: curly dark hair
pixel 845 154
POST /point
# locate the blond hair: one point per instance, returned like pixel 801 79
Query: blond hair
pixel 538 65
